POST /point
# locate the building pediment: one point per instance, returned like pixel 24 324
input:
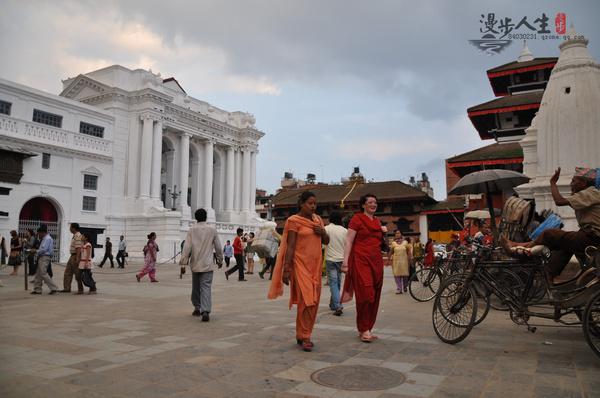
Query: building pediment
pixel 82 87
pixel 92 170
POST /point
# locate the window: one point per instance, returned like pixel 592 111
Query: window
pixel 45 160
pixel 47 118
pixel 5 107
pixel 91 129
pixel 89 203
pixel 90 182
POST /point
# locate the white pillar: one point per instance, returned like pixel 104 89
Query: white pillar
pixel 237 198
pixel 146 156
pixel 253 182
pixel 156 160
pixel 184 173
pixel 170 177
pixel 197 177
pixel 229 179
pixel 208 174
pixel 245 180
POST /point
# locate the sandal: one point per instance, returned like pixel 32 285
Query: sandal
pixel 307 346
pixel 365 338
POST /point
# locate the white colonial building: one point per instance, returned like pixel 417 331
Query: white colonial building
pixel 123 152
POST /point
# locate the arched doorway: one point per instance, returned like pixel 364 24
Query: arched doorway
pixel 37 211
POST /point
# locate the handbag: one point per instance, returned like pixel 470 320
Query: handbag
pixel 86 278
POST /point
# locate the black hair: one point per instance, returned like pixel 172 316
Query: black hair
pixel 87 237
pixel 252 234
pixel 30 231
pixel 151 234
pixel 335 217
pixel 228 241
pixel 363 199
pixel 75 226
pixel 200 215
pixel 304 196
pixel 240 231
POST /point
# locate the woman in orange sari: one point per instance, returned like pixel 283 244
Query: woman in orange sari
pixel 364 265
pixel 299 266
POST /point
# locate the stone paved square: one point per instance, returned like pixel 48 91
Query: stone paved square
pixel 140 340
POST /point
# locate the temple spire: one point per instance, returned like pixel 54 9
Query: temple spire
pixel 525 55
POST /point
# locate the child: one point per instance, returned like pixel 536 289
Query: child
pixel 85 264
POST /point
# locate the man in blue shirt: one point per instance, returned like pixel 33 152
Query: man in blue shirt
pixel 45 252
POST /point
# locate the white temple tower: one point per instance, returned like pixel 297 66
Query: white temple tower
pixel 566 130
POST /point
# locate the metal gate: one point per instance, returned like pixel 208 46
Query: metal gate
pixel 53 230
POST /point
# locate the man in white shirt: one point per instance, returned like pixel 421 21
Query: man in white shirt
pixel 334 257
pixel 201 247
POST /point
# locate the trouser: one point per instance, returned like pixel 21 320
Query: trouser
pixel 269 266
pixel 110 257
pixel 41 275
pixel 71 269
pixel 121 258
pixel 334 275
pixel 239 266
pixel 86 275
pixel 563 245
pixel 150 270
pixel 227 259
pixel 32 264
pixel 201 291
pixel 366 309
pixel 401 283
pixel 306 316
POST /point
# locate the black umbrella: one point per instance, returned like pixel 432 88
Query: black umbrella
pixel 487 181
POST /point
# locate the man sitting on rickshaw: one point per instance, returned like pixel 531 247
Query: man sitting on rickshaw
pixel 585 200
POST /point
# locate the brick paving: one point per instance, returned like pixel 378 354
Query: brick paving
pixel 140 340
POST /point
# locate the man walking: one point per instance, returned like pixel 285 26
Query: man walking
pixel 72 267
pixel 45 252
pixel 201 246
pixel 228 253
pixel 121 252
pixel 238 254
pixel 334 257
pixel 107 254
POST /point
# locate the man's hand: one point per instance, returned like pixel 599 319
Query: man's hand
pixel 344 268
pixel 384 229
pixel 554 178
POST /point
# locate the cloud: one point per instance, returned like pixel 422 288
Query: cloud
pixel 382 149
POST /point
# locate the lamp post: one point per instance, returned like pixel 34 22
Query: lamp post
pixel 174 195
pixel 270 208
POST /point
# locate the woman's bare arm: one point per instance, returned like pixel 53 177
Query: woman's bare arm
pixel 348 248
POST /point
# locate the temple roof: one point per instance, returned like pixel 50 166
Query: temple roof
pixel 516 66
pixel 387 190
pixel 511 101
pixel 451 205
pixel 510 150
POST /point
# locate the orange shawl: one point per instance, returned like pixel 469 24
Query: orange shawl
pixel 307 280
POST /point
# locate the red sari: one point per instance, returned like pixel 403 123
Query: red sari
pixel 365 270
pixel 428 262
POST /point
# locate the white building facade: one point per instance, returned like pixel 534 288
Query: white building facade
pixel 129 153
pixel 565 132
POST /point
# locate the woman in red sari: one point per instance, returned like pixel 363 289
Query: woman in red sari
pixel 299 266
pixel 364 265
pixel 428 261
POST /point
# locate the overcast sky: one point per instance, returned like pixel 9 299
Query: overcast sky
pixel 383 85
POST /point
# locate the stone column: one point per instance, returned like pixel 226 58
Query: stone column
pixel 245 180
pixel 208 174
pixel 184 173
pixel 229 179
pixel 237 191
pixel 253 181
pixel 156 160
pixel 146 156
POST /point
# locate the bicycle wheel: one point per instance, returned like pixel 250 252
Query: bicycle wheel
pixel 454 311
pixel 424 284
pixel 591 323
pixel 483 305
pixel 505 280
